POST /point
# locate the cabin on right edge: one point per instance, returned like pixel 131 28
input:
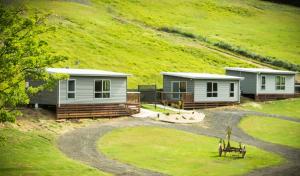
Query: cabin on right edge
pixel 265 84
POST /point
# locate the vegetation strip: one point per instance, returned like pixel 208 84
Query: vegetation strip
pixel 157 109
pixel 282 63
pixel 174 21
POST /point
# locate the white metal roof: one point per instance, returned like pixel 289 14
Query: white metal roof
pixel 201 76
pixel 260 70
pixel 85 72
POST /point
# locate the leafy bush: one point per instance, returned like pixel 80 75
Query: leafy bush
pixel 264 59
pixel 6 116
pixel 177 31
pixel 3 140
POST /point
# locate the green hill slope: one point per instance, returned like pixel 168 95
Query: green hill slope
pixel 265 28
pixel 123 36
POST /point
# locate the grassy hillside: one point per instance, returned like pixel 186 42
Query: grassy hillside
pixel 123 36
pixel 24 153
pixel 30 147
pixel 265 28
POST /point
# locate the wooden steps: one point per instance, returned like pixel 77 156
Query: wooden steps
pixel 133 108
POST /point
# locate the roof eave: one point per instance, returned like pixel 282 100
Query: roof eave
pixel 259 72
pixel 207 78
pixel 233 79
pixel 95 75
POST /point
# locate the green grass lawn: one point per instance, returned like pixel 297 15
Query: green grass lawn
pixel 179 153
pixel 157 109
pixel 35 153
pixel 272 130
pixel 289 107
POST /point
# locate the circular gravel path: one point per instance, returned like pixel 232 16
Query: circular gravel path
pixel 81 144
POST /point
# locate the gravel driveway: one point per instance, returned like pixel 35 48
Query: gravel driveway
pixel 80 144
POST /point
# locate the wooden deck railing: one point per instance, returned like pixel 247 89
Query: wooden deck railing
pixel 177 96
pixel 133 104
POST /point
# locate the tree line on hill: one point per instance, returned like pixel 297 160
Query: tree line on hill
pixel 288 2
pixel 237 50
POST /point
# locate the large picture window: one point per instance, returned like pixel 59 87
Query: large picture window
pixel 212 89
pixel 263 83
pixel 102 89
pixel 71 88
pixel 231 90
pixel 280 82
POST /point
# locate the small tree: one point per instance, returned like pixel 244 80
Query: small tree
pixel 23 56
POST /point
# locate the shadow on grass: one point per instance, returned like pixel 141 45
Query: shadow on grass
pixel 229 156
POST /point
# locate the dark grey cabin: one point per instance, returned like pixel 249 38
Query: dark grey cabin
pixel 264 84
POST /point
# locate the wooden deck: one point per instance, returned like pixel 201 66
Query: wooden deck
pixel 205 105
pixel 132 106
pixel 186 101
pixel 270 97
pixel 178 99
pixel 90 110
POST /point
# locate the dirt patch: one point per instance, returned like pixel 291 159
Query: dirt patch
pixel 45 120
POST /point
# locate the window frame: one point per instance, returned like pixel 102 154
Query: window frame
pixel 263 86
pixel 213 93
pixel 68 91
pixel 280 87
pixel 174 93
pixel 102 92
pixel 232 92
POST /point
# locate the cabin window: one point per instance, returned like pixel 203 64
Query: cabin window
pixel 102 89
pixel 263 82
pixel 178 87
pixel 280 82
pixel 71 88
pixel 212 89
pixel 231 90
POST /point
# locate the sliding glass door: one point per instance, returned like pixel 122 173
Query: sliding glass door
pixel 178 87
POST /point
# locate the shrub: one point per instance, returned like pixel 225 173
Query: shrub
pixel 243 52
pixel 264 59
pixel 177 31
pixel 5 116
pixel 3 140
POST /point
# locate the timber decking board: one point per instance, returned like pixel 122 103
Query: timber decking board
pixel 270 97
pixel 96 110
pixel 203 105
